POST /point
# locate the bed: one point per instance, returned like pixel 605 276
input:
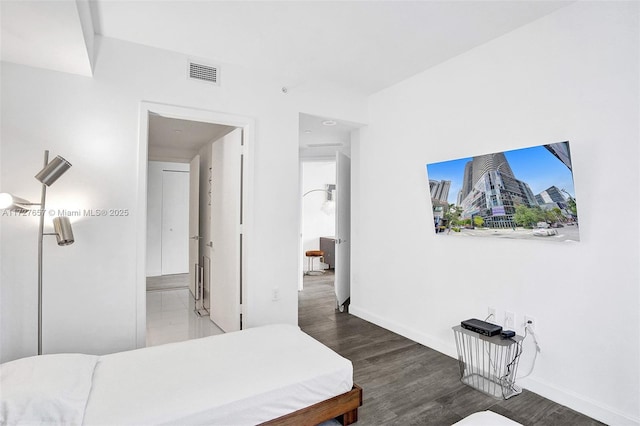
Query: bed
pixel 274 375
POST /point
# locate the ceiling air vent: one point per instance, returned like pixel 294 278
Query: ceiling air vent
pixel 203 72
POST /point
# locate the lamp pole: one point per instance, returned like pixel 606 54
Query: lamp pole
pixel 62 226
pixel 40 238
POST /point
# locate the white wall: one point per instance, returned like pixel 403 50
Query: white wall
pixel 154 213
pixel 572 75
pixel 317 220
pixel 90 287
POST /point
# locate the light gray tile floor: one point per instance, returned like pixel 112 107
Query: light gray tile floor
pixel 170 318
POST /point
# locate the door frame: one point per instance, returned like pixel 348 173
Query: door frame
pixel 338 268
pixel 301 257
pixel 193 114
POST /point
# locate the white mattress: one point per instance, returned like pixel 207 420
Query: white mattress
pixel 486 418
pixel 241 378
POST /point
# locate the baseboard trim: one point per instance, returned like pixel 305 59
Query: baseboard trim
pixel 565 397
pixel 446 348
pixel 586 406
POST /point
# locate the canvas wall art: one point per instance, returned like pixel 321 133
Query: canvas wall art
pixel 525 193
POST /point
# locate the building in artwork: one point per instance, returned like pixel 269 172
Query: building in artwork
pixel 439 199
pixel 561 151
pixel 551 195
pixel 439 189
pixel 491 191
pixel 552 198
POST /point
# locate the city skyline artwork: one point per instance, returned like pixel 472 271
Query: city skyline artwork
pixel 526 193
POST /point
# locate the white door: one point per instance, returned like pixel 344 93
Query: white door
pixel 175 222
pixel 194 222
pixel 226 219
pixel 343 229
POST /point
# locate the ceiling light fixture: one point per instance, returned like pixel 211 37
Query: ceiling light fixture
pixel 329 123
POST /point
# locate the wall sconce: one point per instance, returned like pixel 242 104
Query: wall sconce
pixel 61 225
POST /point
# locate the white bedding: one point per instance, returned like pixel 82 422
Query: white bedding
pixel 49 389
pixel 486 418
pixel 241 378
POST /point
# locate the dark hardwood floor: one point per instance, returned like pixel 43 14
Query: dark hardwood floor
pixel 405 383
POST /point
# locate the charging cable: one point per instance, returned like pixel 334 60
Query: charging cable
pixel 529 330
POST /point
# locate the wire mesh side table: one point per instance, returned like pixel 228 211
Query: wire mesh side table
pixel 488 364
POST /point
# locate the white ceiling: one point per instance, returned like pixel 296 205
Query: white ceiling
pixel 56 35
pixel 362 45
pixel 176 140
pixel 318 140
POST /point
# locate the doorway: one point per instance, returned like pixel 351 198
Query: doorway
pixel 318 215
pixel 167 222
pixel 172 148
pixel 325 182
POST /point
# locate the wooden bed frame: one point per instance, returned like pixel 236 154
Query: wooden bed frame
pixel 343 407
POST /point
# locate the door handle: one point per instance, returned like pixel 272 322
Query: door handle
pixel 195 237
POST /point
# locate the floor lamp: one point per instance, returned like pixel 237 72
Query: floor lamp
pixel 327 207
pixel 61 225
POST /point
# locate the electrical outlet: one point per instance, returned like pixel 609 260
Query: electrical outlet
pixel 509 320
pixel 275 294
pixel 530 322
pixel 491 314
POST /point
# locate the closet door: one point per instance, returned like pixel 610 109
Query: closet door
pixel 175 222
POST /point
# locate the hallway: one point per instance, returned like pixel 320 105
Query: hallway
pixel 170 312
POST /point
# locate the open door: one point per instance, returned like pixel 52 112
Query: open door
pixel 226 236
pixel 343 230
pixel 194 225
